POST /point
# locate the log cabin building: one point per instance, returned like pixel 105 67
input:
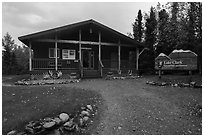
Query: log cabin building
pixel 88 48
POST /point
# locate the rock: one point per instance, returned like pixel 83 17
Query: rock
pixel 88 110
pixel 12 132
pixel 76 127
pixel 71 81
pixel 57 120
pixel 83 108
pixel 85 119
pixel 89 107
pixel 29 129
pixel 38 129
pixel 151 83
pixel 77 81
pixel 57 132
pixel 61 130
pixel 186 85
pixel 33 127
pixel 174 85
pixel 81 122
pixel 49 125
pixel 83 113
pixel 69 126
pixel 47 119
pixel 197 86
pixel 192 83
pixel 163 83
pixel 21 133
pixel 64 117
pixel 119 127
pixel 69 123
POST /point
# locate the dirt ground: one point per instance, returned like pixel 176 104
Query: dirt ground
pixel 133 107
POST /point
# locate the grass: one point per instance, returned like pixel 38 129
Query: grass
pixel 22 104
pixel 178 78
pixel 11 79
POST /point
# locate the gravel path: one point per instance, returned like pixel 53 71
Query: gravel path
pixel 132 107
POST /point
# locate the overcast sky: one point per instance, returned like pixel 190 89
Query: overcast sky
pixel 23 18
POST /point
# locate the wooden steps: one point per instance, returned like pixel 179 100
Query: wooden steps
pixel 91 74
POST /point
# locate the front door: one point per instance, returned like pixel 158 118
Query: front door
pixel 88 59
pixel 114 60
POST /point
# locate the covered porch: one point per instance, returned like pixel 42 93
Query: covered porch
pixel 83 46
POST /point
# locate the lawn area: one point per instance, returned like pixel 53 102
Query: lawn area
pixel 22 104
pixel 11 79
pixel 129 107
pixel 178 78
pixel 136 108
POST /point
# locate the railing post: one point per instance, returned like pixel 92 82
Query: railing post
pixel 119 46
pixel 30 56
pixel 56 52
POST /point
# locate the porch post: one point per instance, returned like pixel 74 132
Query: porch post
pixel 56 52
pixel 119 46
pixel 80 54
pixel 80 45
pixel 137 59
pixel 99 52
pixel 30 56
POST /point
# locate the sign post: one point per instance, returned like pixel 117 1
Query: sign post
pixel 160 64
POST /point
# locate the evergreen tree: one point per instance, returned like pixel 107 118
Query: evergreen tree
pixel 179 27
pixel 173 28
pixel 22 55
pixel 191 27
pixel 194 31
pixel 137 27
pixel 14 57
pixel 162 34
pixel 150 40
pixel 8 59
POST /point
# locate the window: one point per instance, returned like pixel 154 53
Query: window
pixel 52 53
pixel 68 54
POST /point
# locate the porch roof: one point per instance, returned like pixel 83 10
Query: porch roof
pixel 80 25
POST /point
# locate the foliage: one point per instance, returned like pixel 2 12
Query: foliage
pixel 150 40
pixel 194 31
pixel 9 62
pixel 175 25
pixel 14 57
pixel 162 38
pixel 22 55
pixel 137 27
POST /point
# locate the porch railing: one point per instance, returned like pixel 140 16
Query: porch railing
pixel 107 63
pixel 71 64
pixel 126 64
pixel 50 64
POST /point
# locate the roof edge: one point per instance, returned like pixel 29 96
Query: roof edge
pixel 52 30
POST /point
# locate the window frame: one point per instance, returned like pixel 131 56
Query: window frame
pixel 67 52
